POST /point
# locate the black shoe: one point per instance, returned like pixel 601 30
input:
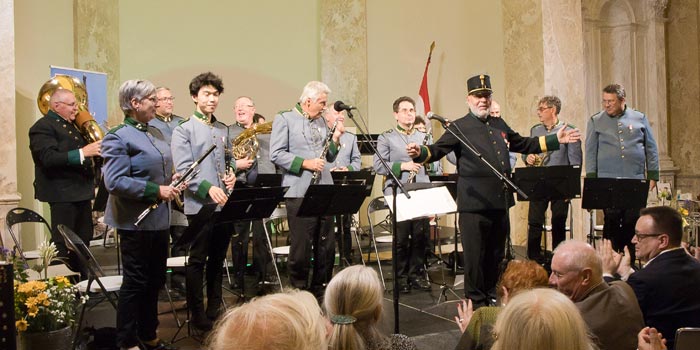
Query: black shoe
pixel 404 287
pixel 420 283
pixel 160 345
pixel 213 313
pixel 201 321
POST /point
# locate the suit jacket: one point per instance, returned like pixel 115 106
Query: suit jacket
pixel 478 188
pixel 668 291
pixel 613 316
pixel 58 174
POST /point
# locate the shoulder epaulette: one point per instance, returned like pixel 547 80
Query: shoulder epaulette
pixel 571 125
pixel 389 131
pixel 536 125
pixel 114 129
pixel 284 111
pixel 183 121
pixel 594 114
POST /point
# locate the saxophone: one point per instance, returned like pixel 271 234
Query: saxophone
pixel 317 174
pixel 413 173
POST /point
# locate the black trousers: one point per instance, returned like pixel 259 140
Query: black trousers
pixel 483 239
pixel 343 236
pixel 78 217
pixel 144 254
pixel 619 228
pixel 239 249
pixel 411 240
pixel 535 222
pixel 309 237
pixel 207 249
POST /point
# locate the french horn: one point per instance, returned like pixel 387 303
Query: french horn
pixel 246 144
pixel 87 125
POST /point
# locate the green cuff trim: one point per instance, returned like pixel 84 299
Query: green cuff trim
pixel 396 169
pixel 551 143
pixel 203 190
pixel 74 157
pixel 653 175
pixel 424 154
pixel 350 168
pixel 296 165
pixel 591 175
pixel 333 148
pixel 151 192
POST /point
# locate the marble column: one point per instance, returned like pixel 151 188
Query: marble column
pixel 9 197
pixel 96 48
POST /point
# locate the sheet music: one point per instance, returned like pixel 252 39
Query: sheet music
pixel 423 203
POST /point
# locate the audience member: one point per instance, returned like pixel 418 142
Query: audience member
pixel 611 311
pixel 353 302
pixel 281 321
pixel 650 339
pixel 541 319
pixel 476 326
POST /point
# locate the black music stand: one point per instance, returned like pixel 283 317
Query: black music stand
pixel 558 182
pixel 362 177
pixel 251 204
pixel 607 193
pixel 268 180
pixel 328 200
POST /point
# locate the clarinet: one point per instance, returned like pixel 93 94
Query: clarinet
pixel 413 173
pixel 317 174
pixel 191 172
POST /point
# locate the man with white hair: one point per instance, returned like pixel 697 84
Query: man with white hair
pixel 297 141
pixel 611 311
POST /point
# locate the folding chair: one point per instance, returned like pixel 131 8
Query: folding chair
pixel 97 286
pixel 377 205
pixel 278 213
pixel 23 215
pixel 687 338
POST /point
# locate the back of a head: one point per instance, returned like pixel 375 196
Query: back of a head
pixel 542 319
pixel 281 321
pixel 522 275
pixel 356 292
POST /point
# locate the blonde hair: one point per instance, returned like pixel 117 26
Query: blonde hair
pixel 355 291
pixel 541 319
pixel 291 320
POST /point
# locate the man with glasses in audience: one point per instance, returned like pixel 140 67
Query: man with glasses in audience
pixel 620 144
pixel 63 170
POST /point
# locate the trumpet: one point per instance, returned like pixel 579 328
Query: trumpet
pixel 317 174
pixel 191 172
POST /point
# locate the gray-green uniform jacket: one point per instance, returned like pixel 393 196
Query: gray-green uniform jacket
pixel 391 146
pixel 567 154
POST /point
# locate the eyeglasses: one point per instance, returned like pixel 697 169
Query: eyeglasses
pixel 72 104
pixel 166 99
pixel 542 109
pixel 608 102
pixel 641 236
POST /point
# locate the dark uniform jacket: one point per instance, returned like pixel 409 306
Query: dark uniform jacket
pixel 58 174
pixel 478 188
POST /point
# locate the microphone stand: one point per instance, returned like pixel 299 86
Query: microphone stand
pixel 395 183
pixel 507 182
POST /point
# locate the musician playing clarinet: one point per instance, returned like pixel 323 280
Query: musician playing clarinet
pixel 412 235
pixel 137 173
pixel 297 143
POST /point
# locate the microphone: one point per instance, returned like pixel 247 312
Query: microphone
pixel 339 106
pixel 433 116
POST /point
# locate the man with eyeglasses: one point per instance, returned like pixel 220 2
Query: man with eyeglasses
pixel 482 202
pixel 247 171
pixel 620 144
pixel 667 285
pixel 412 236
pixel 63 170
pixel 610 310
pixel 166 122
pixel 297 141
pixel 567 154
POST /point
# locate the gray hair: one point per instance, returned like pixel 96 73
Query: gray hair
pixel 616 89
pixel 313 90
pixel 580 255
pixel 134 89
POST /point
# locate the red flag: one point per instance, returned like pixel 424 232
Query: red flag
pixel 424 97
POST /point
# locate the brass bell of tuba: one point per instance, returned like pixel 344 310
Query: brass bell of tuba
pixel 87 125
pixel 246 144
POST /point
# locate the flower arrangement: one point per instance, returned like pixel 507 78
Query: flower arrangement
pixel 46 305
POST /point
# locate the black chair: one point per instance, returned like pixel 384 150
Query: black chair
pixel 687 338
pixel 98 287
pixel 23 215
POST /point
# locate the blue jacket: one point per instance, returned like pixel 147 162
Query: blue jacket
pixel 137 162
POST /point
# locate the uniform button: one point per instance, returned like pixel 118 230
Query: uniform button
pixel 623 147
pixel 499 152
pixel 619 131
pixel 70 132
pixel 622 156
pixel 490 132
pixel 621 140
pixel 76 137
pixel 64 125
pixel 494 142
pixel 502 163
pixel 619 124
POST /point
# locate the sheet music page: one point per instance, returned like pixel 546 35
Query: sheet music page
pixel 423 203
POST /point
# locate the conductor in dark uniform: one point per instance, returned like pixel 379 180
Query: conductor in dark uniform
pixel 481 201
pixel 63 169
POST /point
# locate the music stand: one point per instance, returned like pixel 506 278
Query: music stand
pixel 362 177
pixel 268 180
pixel 328 200
pixel 252 204
pixel 606 193
pixel 558 182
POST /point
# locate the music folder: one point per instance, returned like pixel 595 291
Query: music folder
pixel 427 199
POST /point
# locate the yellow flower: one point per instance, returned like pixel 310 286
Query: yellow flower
pixel 32 310
pixel 32 286
pixel 21 325
pixel 62 280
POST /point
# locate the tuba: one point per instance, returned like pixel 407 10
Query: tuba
pixel 246 144
pixel 87 125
